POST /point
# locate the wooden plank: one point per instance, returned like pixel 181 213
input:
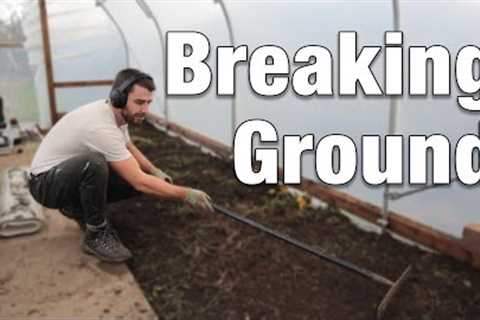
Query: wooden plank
pixel 10 44
pixel 85 83
pixel 219 148
pixel 47 55
pixel 342 200
pixel 429 237
pixel 398 223
pixel 471 238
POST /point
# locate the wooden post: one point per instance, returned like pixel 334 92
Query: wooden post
pixel 47 55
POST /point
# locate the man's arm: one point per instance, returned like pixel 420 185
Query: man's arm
pixel 142 160
pixel 130 171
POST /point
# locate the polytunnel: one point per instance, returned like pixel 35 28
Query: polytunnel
pixel 97 48
pixel 69 53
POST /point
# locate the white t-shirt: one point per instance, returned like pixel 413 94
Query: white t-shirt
pixel 91 127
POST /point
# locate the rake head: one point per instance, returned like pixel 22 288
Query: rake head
pixel 382 306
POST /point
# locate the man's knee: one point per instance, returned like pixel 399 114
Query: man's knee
pixel 96 162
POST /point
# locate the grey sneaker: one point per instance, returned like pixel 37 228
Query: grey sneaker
pixel 69 213
pixel 106 245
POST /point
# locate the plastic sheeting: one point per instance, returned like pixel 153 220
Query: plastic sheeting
pixel 16 84
pixel 84 45
pixel 87 46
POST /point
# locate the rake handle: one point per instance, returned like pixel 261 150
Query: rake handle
pixel 367 274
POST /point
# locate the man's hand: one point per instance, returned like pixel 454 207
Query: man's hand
pixel 162 175
pixel 199 199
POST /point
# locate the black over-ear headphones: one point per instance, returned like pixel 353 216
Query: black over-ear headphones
pixel 119 96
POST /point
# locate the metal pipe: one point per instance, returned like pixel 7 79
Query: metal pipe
pixel 398 195
pixel 383 221
pixel 232 42
pixel 100 3
pixel 149 14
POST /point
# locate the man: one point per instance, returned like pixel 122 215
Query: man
pixel 87 160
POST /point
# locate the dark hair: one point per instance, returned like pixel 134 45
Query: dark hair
pixel 125 74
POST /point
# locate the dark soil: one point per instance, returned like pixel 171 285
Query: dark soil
pixel 205 266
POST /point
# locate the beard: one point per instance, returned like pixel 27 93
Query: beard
pixel 133 119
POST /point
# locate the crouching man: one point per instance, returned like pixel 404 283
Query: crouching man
pixel 87 161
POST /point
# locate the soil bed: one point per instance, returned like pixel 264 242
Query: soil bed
pixel 205 266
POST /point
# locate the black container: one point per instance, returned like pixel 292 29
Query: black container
pixel 3 124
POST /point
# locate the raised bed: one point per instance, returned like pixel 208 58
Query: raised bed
pixel 204 266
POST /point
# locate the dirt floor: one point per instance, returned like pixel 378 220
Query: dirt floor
pixel 205 266
pixel 47 276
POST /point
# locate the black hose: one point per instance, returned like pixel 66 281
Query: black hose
pixel 346 265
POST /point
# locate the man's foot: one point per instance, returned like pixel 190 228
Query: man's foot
pixel 104 243
pixel 75 217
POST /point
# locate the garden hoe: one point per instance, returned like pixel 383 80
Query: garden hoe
pixel 393 285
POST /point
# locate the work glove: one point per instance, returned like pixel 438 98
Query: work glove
pixel 162 175
pixel 199 199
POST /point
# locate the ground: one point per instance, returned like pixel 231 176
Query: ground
pixel 47 276
pixel 205 266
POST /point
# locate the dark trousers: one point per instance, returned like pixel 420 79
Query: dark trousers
pixel 82 185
